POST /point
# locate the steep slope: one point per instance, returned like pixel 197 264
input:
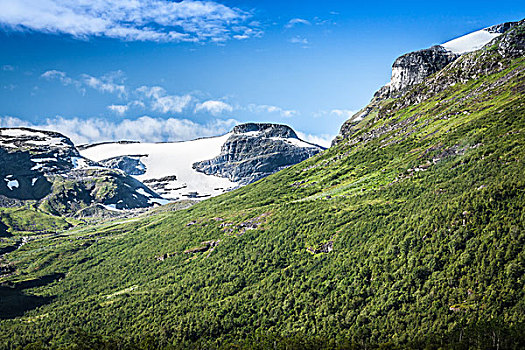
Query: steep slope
pixel 209 166
pixel 412 68
pixel 409 232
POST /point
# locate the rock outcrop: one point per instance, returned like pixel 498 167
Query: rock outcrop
pixel 46 167
pixel 414 69
pixel 131 165
pixel 254 151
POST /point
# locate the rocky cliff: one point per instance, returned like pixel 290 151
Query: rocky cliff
pixel 254 151
pixel 410 71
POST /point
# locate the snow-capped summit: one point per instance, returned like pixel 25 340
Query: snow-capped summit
pixel 412 68
pixel 46 166
pixel 209 166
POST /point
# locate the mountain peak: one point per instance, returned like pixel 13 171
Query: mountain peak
pixel 265 129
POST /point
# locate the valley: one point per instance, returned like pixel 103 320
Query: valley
pixel 407 233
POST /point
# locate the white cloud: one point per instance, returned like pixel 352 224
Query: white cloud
pixel 324 140
pixel 130 20
pixel 213 107
pixel 119 109
pixel 291 23
pixel 162 102
pixel 107 83
pixel 63 78
pixel 299 40
pixel 272 110
pixel 146 129
pixel 8 68
pixel 343 113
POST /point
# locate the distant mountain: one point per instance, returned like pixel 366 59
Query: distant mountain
pixel 46 167
pixel 209 166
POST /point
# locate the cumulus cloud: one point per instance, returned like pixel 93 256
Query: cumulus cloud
pixel 272 110
pixel 119 109
pixel 108 83
pixel 324 140
pixel 162 102
pixel 130 20
pixel 145 129
pixel 295 21
pixel 63 78
pixel 213 107
pixel 343 113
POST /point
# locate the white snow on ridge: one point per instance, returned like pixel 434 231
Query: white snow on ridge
pixel 294 142
pixel 173 158
pixel 21 132
pixel 470 42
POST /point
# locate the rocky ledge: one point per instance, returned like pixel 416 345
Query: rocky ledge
pixel 256 150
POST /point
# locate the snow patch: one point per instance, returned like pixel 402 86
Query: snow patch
pixel 143 192
pixel 11 183
pixel 470 42
pixel 294 142
pixel 79 163
pixel 40 160
pixel 166 159
pixel 159 201
pixel 111 207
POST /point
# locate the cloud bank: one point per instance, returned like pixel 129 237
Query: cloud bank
pixel 214 107
pixel 130 20
pixel 145 129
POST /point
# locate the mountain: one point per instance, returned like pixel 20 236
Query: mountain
pixel 209 166
pixel 407 233
pixel 254 151
pixel 46 167
pixel 412 68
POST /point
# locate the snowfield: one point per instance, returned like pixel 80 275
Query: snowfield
pixel 470 42
pixel 171 158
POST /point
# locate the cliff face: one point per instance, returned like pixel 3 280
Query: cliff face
pixel 412 68
pixel 254 151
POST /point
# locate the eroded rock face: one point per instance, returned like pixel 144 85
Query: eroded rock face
pixel 254 151
pixel 412 68
pixel 438 69
pixel 131 165
pixel 27 156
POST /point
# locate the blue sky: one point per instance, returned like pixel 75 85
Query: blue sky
pixel 160 70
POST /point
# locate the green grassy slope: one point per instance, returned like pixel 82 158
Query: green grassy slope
pixel 423 206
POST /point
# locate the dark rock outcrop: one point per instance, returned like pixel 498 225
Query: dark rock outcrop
pixel 46 167
pixel 254 151
pixel 27 156
pixel 131 165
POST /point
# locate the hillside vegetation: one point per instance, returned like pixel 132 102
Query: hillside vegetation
pixel 409 232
